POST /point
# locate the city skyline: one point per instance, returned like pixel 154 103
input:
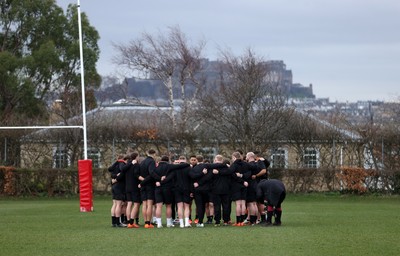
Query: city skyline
pixel 348 50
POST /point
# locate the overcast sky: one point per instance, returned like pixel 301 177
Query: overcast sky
pixel 348 49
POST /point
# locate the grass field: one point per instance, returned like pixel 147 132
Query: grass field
pixel 312 225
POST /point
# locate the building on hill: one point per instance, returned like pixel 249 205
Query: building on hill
pixel 283 77
pixel 299 91
pixel 153 89
pixel 145 88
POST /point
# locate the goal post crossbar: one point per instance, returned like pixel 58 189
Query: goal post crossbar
pixel 40 127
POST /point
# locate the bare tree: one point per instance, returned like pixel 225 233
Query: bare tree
pixel 379 131
pixel 171 59
pixel 245 107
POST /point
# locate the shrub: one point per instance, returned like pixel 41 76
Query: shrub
pixel 7 180
pixel 353 179
pixel 62 182
pixel 48 182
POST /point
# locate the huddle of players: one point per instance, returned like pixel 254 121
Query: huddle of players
pixel 154 184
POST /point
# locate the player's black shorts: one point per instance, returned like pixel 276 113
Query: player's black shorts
pixel 147 193
pixel 118 193
pixel 182 196
pixel 239 194
pixel 134 196
pixel 164 195
pixel 251 195
pixel 211 197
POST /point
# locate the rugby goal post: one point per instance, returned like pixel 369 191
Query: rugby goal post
pixel 84 165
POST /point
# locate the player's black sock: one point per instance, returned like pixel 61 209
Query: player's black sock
pixel 278 214
pixel 238 219
pixel 269 216
pixel 137 220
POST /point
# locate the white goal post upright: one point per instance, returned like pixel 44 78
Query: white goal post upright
pixel 82 83
pixel 84 166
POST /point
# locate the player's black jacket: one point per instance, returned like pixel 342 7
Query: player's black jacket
pixel 239 166
pixel 131 172
pixel 204 180
pixel 147 167
pixel 182 180
pixel 167 170
pixel 271 190
pixel 116 173
pixel 221 182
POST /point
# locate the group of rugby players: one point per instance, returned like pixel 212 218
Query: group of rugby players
pixel 154 182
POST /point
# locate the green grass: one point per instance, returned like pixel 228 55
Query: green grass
pixel 312 225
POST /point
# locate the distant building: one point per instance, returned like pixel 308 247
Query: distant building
pixel 153 89
pixel 284 78
pixel 300 91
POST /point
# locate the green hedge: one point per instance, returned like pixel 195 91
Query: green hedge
pixel 63 182
pixel 47 182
